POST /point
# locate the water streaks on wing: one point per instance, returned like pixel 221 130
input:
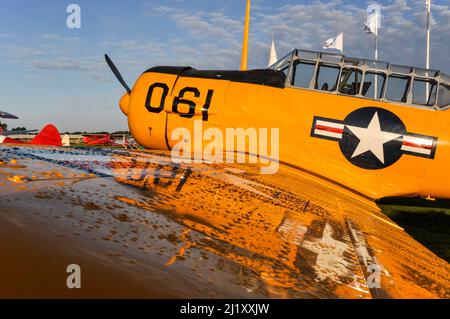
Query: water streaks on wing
pixel 214 230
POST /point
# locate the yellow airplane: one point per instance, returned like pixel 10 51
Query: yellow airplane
pixel 374 127
pixel 350 131
pixel 141 224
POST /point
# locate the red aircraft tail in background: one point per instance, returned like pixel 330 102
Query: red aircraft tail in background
pixel 48 136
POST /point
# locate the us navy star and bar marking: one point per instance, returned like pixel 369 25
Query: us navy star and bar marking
pixel 373 138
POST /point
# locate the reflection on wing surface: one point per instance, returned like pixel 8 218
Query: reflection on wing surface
pixel 141 225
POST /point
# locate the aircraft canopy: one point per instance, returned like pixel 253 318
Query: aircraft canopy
pixel 339 74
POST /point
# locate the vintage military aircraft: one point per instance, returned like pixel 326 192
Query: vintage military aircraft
pixel 361 129
pixel 141 224
pixel 370 126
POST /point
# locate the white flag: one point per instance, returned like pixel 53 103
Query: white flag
pixel 370 25
pixel 373 19
pixel 273 54
pixel 335 43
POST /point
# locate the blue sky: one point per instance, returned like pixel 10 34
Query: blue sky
pixel 52 74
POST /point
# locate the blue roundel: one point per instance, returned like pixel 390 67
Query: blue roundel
pixel 372 138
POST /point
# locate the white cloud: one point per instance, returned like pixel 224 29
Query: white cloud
pixel 402 37
pixel 57 37
pixel 17 51
pixel 61 64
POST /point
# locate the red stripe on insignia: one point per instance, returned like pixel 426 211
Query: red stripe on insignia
pixel 329 129
pixel 410 144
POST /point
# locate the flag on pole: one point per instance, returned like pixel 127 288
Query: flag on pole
pixel 373 19
pixel 273 54
pixel 370 25
pixel 335 43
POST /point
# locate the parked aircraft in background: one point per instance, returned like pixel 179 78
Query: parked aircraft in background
pixel 48 136
pixel 98 139
pixel 5 115
pixel 125 142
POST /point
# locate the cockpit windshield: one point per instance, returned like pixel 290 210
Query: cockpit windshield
pixel 338 74
pixel 280 64
pixel 283 64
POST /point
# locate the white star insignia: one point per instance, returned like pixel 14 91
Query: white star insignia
pixel 372 138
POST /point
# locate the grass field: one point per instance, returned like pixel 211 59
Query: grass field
pixel 427 221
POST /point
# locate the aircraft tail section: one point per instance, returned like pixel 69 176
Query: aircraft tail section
pixel 48 136
pixel 66 140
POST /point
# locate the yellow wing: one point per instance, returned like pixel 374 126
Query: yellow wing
pixel 139 225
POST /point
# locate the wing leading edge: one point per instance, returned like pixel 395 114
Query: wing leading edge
pixel 5 115
pixel 140 225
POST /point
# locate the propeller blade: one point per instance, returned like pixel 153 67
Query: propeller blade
pixel 117 73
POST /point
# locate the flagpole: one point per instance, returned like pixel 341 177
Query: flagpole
pixel 427 62
pixel 427 58
pixel 376 46
pixel 244 56
pixel 375 93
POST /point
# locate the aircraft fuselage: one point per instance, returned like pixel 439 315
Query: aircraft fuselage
pixel 375 147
